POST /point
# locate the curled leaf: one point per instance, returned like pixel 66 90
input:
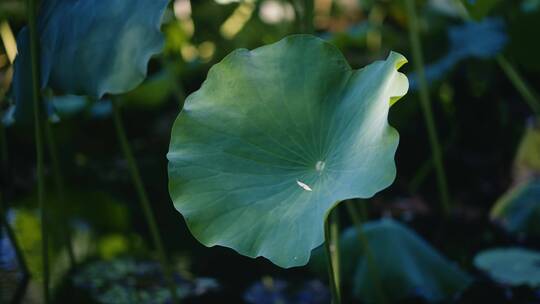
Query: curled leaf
pixel 90 47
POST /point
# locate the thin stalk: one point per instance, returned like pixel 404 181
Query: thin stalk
pixel 59 183
pixel 297 24
pixel 21 288
pixel 331 235
pixel 426 167
pixel 520 84
pixel 35 65
pixel 143 198
pixel 309 8
pixel 4 167
pixel 362 209
pixel 524 89
pixel 355 216
pixel 414 36
pixel 303 15
pixel 4 150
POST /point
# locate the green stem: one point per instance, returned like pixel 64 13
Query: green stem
pixel 366 251
pixel 143 198
pixel 59 183
pixel 520 84
pixel 362 209
pixel 308 16
pixel 425 168
pixel 331 235
pixel 303 15
pixel 4 167
pixel 4 149
pixel 511 72
pixel 414 36
pixel 35 64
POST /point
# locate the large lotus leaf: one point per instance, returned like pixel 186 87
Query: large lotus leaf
pixel 512 266
pixel 518 210
pixel 92 47
pixel 275 138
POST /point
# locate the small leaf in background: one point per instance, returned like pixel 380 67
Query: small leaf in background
pixel 478 9
pixel 101 109
pixel 483 40
pixel 69 105
pixel 511 266
pixel 8 117
pixel 269 120
pixel 529 6
pixel 406 266
pixel 527 160
pixel 90 47
pixel 518 210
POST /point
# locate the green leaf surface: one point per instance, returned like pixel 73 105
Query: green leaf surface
pixel 512 266
pixel 91 47
pixel 274 138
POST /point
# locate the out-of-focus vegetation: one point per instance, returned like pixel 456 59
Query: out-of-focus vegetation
pixel 482 69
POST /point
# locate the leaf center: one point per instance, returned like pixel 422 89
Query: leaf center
pixel 319 166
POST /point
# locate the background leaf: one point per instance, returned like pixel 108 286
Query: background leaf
pixel 405 265
pixel 512 266
pixel 90 47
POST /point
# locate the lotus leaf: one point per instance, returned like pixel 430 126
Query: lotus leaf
pixel 275 138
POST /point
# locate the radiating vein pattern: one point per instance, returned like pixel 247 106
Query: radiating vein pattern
pixel 274 138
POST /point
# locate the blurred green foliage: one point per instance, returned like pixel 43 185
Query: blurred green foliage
pixel 480 114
